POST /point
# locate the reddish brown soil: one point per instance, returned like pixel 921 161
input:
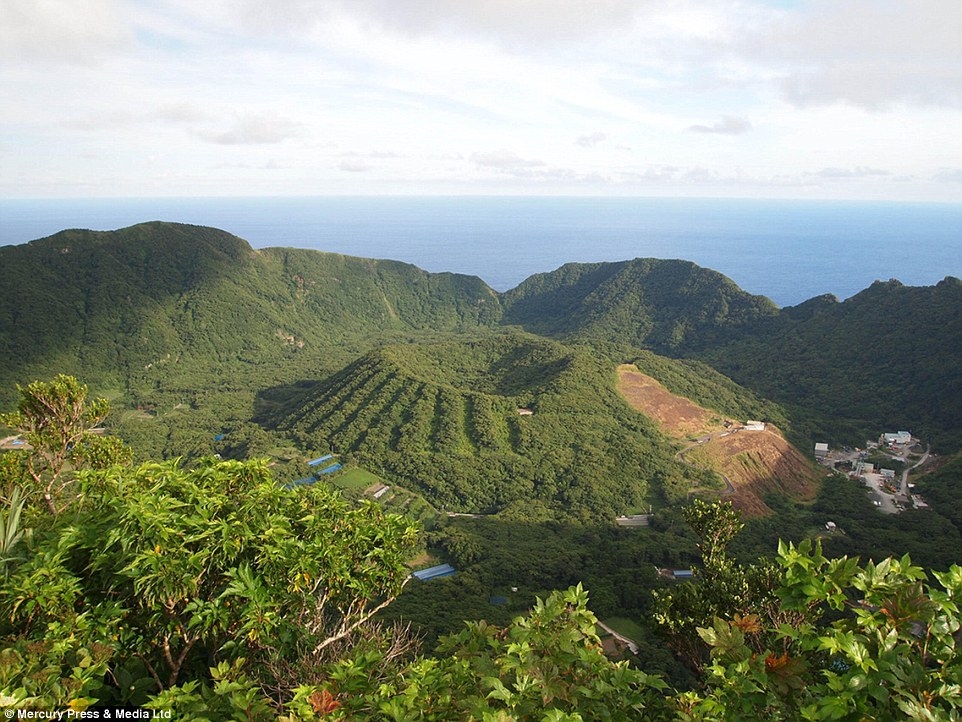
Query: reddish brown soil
pixel 753 463
pixel 676 415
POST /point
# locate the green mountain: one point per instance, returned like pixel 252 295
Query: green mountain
pixel 670 307
pixel 888 358
pixel 420 375
pixel 185 307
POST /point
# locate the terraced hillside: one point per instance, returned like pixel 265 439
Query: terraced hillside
pixel 477 425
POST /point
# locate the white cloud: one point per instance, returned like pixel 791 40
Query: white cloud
pixel 182 112
pixel 513 22
pixel 835 92
pixel 728 125
pixel 591 140
pixel 870 53
pixel 949 175
pixel 504 160
pixel 254 130
pixel 354 166
pixel 845 173
pixel 62 31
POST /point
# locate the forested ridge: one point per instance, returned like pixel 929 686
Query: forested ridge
pixel 672 307
pixel 450 397
pixel 889 354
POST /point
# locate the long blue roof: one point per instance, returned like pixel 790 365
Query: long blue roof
pixel 442 570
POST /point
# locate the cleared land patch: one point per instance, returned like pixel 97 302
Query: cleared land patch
pixel 752 463
pixel 676 415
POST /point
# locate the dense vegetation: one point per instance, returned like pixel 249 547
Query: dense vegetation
pixel 186 309
pixel 160 315
pixel 883 359
pixel 478 425
pixel 671 307
pixel 213 592
pixel 415 381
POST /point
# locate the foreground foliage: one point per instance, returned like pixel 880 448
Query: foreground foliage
pixel 161 570
pixel 547 665
pixel 205 614
pixel 890 651
pixel 213 591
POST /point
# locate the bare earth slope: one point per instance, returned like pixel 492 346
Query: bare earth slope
pixel 752 463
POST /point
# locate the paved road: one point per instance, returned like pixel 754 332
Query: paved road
pixel 886 501
pixel 904 484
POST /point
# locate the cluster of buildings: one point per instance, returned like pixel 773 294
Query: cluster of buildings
pixel 884 480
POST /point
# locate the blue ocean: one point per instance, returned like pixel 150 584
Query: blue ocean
pixel 789 251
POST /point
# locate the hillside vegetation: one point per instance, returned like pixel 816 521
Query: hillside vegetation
pixel 196 337
pixel 213 592
pixel 886 358
pixel 671 307
pixel 189 572
pixel 479 424
pixel 881 359
pixel 186 307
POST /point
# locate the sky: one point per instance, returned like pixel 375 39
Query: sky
pixel 834 99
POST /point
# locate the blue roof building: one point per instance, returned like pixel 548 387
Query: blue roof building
pixel 442 570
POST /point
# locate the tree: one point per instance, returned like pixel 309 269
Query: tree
pixel 722 587
pixel 164 569
pixel 546 665
pixel 55 419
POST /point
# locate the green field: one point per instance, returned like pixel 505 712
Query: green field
pixel 357 479
pixel 626 627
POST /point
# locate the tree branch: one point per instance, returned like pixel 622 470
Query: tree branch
pixel 347 628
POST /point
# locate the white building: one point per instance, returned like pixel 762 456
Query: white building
pixel 899 437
